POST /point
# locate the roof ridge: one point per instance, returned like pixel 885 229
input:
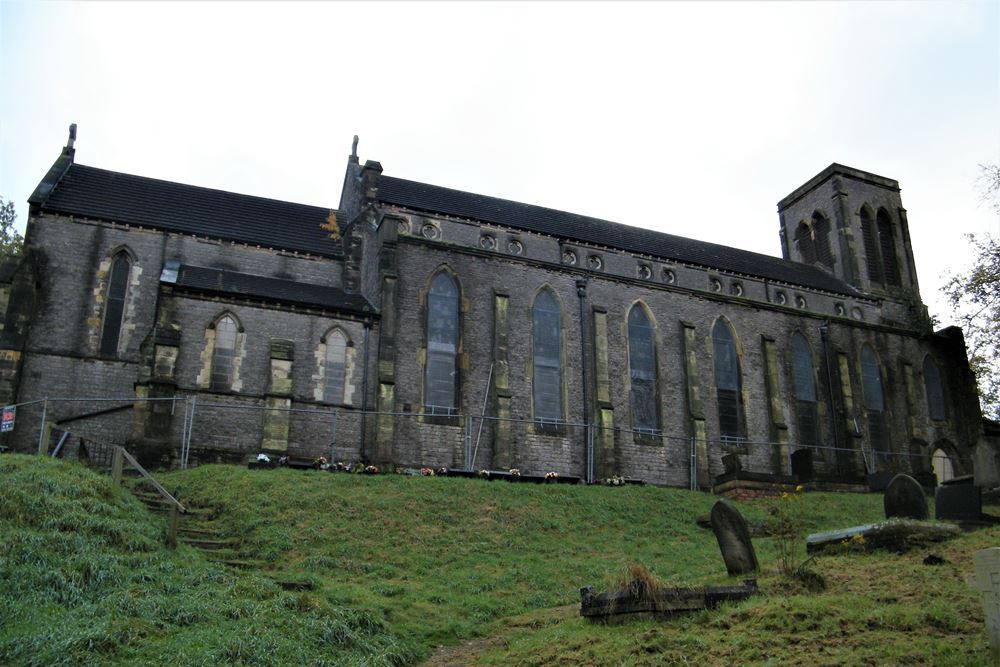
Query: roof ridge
pixel 748 255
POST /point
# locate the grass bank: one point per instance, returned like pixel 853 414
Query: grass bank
pixel 407 564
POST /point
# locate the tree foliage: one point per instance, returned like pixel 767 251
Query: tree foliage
pixel 974 295
pixel 10 240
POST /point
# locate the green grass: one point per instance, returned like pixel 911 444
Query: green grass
pixel 86 580
pixel 402 565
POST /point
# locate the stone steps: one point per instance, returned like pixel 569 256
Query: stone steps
pixel 200 529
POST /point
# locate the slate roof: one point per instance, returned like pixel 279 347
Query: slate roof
pixel 230 283
pixel 570 226
pixel 109 195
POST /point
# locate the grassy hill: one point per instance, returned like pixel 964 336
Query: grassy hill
pixel 400 565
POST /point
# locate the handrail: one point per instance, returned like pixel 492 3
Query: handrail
pixel 116 472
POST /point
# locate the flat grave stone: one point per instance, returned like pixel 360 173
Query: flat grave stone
pixel 895 535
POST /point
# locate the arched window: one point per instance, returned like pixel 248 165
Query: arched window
pixel 871 385
pixel 546 321
pixel 804 242
pixel 935 394
pixel 335 369
pixel 642 371
pixel 727 383
pixel 870 236
pixel 887 246
pixel 805 390
pixel 223 354
pixel 821 238
pixel 441 381
pixel 114 309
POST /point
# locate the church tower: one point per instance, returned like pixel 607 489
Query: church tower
pixel 852 224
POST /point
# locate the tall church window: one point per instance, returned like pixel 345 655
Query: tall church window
pixel 870 236
pixel 546 320
pixel 441 380
pixel 335 369
pixel 727 383
pixel 887 246
pixel 805 391
pixel 804 241
pixel 223 354
pixel 871 385
pixel 935 393
pixel 821 237
pixel 114 308
pixel 642 371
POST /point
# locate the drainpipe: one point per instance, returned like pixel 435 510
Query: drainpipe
pixel 824 334
pixel 588 458
pixel 364 395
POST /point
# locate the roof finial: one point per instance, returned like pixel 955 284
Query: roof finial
pixel 69 151
pixel 354 147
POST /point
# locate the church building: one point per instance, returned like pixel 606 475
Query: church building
pixel 415 325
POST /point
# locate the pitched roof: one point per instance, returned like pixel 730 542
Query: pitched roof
pixel 232 283
pixel 435 199
pixel 109 195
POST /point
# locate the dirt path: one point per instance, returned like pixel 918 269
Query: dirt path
pixel 468 652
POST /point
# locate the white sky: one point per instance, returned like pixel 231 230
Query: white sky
pixel 693 119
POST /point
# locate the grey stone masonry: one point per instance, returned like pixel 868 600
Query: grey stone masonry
pixel 264 384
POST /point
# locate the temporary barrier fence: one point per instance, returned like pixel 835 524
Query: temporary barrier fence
pixel 210 424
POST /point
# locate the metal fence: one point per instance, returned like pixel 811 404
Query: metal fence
pixel 193 429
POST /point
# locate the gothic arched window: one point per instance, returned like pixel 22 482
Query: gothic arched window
pixel 935 393
pixel 727 382
pixel 870 237
pixel 223 353
pixel 804 241
pixel 805 390
pixel 821 238
pixel 114 308
pixel 874 399
pixel 887 246
pixel 441 380
pixel 642 371
pixel 335 369
pixel 546 324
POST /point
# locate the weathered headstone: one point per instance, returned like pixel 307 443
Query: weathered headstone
pixel 904 498
pixel 958 501
pixel 988 584
pixel 731 531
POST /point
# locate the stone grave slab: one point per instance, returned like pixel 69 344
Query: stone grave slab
pixel 959 502
pixel 895 535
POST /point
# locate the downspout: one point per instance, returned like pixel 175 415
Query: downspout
pixel 824 334
pixel 364 395
pixel 588 457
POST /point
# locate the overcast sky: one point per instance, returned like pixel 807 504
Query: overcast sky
pixel 693 119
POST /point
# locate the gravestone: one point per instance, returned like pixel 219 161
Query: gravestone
pixel 904 498
pixel 731 531
pixel 988 585
pixel 958 501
